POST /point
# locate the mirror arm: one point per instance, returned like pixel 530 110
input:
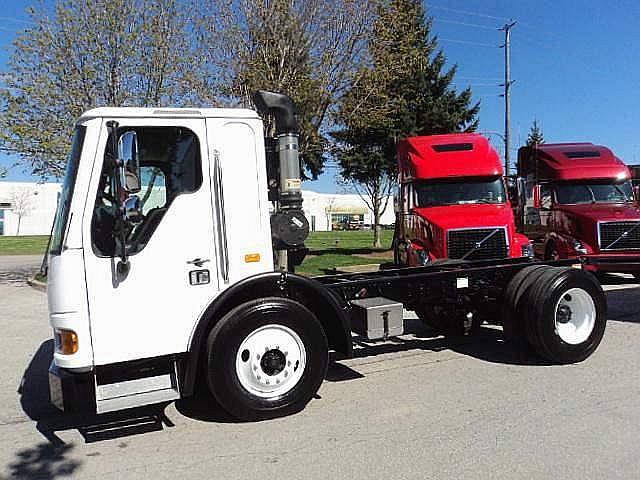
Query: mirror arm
pixel 123 264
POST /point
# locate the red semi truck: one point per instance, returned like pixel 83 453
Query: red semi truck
pixel 577 201
pixel 453 203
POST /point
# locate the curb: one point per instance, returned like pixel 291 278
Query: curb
pixel 37 284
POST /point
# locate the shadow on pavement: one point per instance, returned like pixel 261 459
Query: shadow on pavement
pixel 43 461
pixel 623 305
pixel 488 344
pixel 35 402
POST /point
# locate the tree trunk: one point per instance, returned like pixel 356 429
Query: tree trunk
pixel 18 229
pixel 377 236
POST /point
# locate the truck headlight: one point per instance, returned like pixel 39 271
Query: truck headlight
pixel 579 247
pixel 527 250
pixel 423 257
pixel 66 341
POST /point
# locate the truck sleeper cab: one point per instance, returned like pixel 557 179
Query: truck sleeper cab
pixel 166 264
pixel 453 202
pixel 579 203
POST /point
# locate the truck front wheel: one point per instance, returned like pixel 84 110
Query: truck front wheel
pixel 266 358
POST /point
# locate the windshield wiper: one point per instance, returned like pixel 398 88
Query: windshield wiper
pixel 622 193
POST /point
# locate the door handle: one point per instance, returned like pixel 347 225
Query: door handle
pixel 198 262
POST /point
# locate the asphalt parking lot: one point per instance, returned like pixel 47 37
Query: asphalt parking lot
pixel 418 407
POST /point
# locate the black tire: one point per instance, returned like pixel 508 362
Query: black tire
pixel 539 311
pixel 521 282
pixel 226 338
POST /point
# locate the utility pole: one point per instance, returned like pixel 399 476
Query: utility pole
pixel 507 88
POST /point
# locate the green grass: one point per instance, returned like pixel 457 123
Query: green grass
pixel 352 248
pixel 356 239
pixel 23 245
pixel 341 249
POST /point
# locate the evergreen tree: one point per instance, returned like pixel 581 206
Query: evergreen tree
pixel 404 91
pixel 535 136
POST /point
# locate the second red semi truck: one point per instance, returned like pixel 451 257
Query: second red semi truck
pixel 453 203
pixel 577 201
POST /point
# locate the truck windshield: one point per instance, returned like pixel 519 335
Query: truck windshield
pixel 460 191
pixel 572 193
pixel 64 200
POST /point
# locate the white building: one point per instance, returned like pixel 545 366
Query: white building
pixel 328 211
pixel 28 208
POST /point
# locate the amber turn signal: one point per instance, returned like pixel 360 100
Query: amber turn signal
pixel 252 257
pixel 66 341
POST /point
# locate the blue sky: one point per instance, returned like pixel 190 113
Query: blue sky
pixel 576 67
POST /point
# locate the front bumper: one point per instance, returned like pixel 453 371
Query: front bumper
pixel 623 263
pixel 71 391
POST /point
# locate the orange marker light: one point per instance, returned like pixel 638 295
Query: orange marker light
pixel 252 257
pixel 66 341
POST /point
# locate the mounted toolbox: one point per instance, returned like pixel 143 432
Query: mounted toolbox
pixel 377 317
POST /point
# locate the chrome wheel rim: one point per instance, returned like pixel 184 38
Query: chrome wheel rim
pixel 270 361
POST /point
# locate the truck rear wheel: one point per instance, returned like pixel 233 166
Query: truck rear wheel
pixel 565 315
pixel 266 358
pixel 512 303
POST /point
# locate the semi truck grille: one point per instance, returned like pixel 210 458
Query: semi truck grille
pixel 485 247
pixel 619 235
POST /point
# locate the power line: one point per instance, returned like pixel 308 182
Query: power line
pixel 466 12
pixel 465 42
pixel 497 79
pixel 16 20
pixel 466 24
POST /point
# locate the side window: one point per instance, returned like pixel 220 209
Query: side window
pixel 545 196
pixel 170 165
pixel 153 193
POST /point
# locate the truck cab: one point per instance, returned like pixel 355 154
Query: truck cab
pixel 453 202
pixel 579 202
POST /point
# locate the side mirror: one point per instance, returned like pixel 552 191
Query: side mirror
pixel 512 191
pixel 129 164
pixel 133 210
pixel 636 193
pixel 536 196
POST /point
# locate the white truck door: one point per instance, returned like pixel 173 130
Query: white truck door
pixel 152 310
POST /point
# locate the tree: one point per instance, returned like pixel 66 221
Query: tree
pixel 308 49
pixel 535 136
pixel 21 204
pixel 403 91
pixel 86 54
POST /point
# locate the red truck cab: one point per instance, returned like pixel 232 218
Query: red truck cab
pixel 578 202
pixel 452 202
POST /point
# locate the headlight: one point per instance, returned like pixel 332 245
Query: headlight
pixel 527 250
pixel 423 257
pixel 579 247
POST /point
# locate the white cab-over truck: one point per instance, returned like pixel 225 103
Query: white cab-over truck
pixel 172 258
